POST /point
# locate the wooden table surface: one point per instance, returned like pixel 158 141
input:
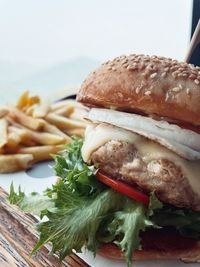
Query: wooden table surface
pixel 18 237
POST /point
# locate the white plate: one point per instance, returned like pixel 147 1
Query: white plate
pixel 38 179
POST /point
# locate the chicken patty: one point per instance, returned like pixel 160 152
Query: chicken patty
pixel 121 160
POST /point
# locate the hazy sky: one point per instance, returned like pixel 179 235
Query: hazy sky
pixel 48 31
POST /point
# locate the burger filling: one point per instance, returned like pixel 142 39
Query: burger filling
pixel 82 210
pixel 131 157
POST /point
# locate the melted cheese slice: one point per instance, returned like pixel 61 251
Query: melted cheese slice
pixel 97 135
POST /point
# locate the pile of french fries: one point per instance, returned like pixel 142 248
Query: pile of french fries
pixel 32 130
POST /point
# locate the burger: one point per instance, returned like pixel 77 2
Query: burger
pixel 144 135
pixel 131 188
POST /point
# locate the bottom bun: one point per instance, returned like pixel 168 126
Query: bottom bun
pixel 162 244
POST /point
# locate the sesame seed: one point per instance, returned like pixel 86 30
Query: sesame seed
pixel 124 61
pixel 153 75
pixel 184 64
pixel 125 65
pixel 164 74
pixel 167 97
pixel 120 95
pixel 146 73
pixel 188 91
pixel 156 60
pixel 176 89
pixel 197 81
pixel 137 90
pixel 174 74
pixel 133 67
pixel 123 56
pixel 184 75
pixel 147 93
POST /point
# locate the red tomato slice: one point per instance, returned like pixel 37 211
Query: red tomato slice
pixel 123 188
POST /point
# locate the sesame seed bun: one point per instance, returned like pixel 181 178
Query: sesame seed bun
pixel 146 85
pixel 159 245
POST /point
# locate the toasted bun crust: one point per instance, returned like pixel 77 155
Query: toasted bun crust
pixel 150 85
pixel 159 245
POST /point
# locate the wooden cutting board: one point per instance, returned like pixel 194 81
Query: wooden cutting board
pixel 18 237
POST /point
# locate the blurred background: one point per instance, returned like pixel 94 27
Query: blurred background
pixel 50 46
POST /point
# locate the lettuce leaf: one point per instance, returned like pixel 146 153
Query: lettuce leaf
pixel 76 220
pixel 15 198
pixel 33 203
pixel 79 177
pixel 127 224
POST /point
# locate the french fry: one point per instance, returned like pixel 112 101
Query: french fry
pixel 46 138
pixel 41 110
pixel 3 132
pixel 16 162
pixel 64 123
pixel 29 143
pixel 23 100
pixel 65 111
pixel 32 130
pixel 21 132
pixel 31 137
pixel 77 132
pixel 29 110
pixel 54 130
pixel 26 101
pixel 42 138
pixel 4 111
pixel 10 150
pixel 41 153
pixel 33 100
pixel 13 140
pixel 11 121
pixel 24 133
pixel 27 121
pixel 63 103
pixel 79 114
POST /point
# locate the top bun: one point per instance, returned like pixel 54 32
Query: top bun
pixel 147 85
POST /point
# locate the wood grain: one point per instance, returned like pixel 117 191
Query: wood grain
pixel 194 42
pixel 18 237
